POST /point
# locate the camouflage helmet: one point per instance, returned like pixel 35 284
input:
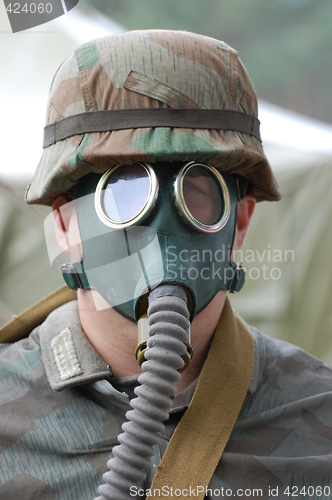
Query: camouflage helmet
pixel 156 71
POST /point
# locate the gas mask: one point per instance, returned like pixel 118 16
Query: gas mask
pixel 174 223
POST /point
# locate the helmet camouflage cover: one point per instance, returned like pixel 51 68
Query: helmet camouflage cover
pixel 151 69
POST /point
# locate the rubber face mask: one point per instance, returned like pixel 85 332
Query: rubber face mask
pixel 142 225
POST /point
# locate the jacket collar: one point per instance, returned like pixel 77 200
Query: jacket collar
pixel 68 356
pixel 71 360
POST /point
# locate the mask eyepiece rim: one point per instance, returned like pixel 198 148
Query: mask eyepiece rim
pixel 183 208
pixel 142 213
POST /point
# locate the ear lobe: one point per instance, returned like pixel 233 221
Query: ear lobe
pixel 62 215
pixel 245 209
pixel 66 227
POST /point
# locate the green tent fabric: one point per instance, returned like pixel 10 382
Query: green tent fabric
pixel 291 298
pixel 25 272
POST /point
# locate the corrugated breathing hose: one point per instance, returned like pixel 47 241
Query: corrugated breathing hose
pixel 168 333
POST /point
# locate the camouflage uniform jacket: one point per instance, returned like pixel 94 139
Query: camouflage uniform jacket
pixel 60 417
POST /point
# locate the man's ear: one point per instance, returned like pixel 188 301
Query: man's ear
pixel 61 220
pixel 66 226
pixel 245 209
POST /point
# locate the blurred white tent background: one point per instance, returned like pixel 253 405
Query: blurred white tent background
pixel 28 61
pixel 289 286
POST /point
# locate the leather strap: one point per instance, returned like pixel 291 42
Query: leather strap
pixel 22 325
pixel 119 119
pixel 199 440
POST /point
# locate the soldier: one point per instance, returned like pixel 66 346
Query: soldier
pixel 153 163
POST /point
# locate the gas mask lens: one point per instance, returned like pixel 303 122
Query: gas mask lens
pixel 202 197
pixel 126 194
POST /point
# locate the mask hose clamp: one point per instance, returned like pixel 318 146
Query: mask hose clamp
pixel 166 347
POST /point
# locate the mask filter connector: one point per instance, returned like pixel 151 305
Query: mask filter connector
pixel 143 331
pixel 163 359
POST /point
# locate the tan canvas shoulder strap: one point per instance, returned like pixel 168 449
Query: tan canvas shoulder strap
pixel 21 326
pixel 198 442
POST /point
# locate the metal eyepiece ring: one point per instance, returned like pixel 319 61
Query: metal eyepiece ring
pixel 182 205
pixel 119 209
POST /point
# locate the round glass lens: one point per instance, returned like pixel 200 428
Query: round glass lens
pixel 126 192
pixel 203 195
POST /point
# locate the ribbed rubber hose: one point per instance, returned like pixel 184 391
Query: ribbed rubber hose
pixel 168 326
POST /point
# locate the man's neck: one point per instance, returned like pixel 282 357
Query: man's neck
pixel 115 338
